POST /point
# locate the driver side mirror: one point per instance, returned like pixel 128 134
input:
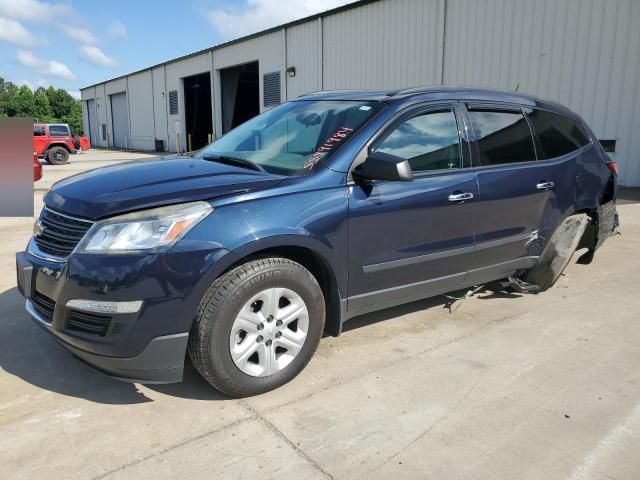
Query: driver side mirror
pixel 384 166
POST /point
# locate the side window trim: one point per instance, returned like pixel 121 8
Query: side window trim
pixel 537 146
pixel 413 111
pixel 493 107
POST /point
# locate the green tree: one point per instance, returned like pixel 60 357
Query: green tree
pixel 61 102
pixel 50 105
pixel 42 108
pixel 4 97
pixel 74 118
pixel 7 92
pixel 22 104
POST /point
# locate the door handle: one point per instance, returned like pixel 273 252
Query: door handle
pixel 460 197
pixel 545 185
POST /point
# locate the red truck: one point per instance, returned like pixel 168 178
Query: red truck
pixel 54 142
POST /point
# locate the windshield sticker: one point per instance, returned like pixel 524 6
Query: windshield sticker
pixel 328 146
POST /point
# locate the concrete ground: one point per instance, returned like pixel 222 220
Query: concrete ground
pixel 507 386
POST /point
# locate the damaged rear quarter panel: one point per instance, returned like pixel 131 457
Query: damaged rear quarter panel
pixel 592 175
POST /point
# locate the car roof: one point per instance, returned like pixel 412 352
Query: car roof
pixel 438 93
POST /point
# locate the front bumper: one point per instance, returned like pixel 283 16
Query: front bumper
pixel 162 361
pixel 146 346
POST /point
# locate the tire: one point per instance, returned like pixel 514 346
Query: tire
pixel 557 254
pixel 57 156
pixel 245 292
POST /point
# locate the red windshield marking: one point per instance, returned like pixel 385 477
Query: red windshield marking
pixel 327 146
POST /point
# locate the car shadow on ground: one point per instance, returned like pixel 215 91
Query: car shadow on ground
pixel 28 353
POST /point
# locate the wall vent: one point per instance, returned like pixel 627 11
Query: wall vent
pixel 608 145
pixel 272 89
pixel 173 102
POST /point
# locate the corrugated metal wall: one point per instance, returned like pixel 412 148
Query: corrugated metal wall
pixel 161 120
pixel 387 44
pixel 141 115
pixel 582 53
pixel 304 52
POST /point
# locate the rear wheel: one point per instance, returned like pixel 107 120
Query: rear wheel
pixel 57 156
pixel 556 255
pixel 258 326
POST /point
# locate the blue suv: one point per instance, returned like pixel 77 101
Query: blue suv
pixel 330 206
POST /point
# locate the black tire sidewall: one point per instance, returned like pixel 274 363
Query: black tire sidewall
pixel 53 151
pixel 286 275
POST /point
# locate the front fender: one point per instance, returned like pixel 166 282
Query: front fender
pixel 315 219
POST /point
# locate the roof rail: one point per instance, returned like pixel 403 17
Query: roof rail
pixel 393 93
pixel 410 90
pixel 324 92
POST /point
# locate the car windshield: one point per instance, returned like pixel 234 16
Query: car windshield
pixel 293 138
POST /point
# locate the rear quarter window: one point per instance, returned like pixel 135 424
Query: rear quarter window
pixel 58 131
pixel 558 134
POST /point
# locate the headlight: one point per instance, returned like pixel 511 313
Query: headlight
pixel 149 230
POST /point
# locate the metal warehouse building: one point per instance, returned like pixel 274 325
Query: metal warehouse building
pixel 582 53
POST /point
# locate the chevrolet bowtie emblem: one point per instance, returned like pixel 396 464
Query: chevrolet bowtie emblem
pixel 38 228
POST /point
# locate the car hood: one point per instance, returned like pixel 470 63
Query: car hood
pixel 151 183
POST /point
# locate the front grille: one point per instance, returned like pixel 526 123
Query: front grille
pixel 59 234
pixel 43 305
pixel 88 322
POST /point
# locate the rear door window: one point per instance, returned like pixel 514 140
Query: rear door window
pixel 502 137
pixel 557 134
pixel 58 131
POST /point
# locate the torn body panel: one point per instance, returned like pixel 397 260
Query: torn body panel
pixel 555 257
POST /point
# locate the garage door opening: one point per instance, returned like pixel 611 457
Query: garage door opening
pixel 197 111
pixel 120 120
pixel 240 92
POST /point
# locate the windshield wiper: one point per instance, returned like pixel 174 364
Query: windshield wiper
pixel 236 161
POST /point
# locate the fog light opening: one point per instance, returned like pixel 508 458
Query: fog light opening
pixel 97 306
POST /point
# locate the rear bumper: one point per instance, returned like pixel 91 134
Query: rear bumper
pixel 161 361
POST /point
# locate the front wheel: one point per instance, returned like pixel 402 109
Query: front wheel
pixel 257 327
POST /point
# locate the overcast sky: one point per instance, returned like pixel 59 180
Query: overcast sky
pixel 71 44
